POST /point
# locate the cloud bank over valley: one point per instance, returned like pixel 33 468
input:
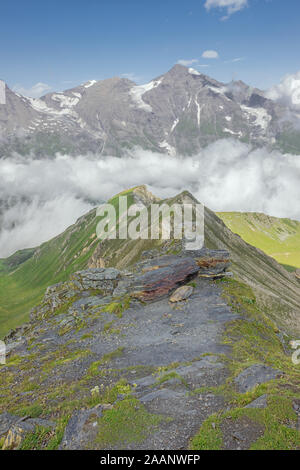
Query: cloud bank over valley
pixel 40 198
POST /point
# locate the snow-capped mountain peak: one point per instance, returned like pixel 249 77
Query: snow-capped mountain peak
pixel 178 112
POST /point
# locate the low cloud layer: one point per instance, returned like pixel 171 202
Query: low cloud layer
pixel 43 197
pixel 287 92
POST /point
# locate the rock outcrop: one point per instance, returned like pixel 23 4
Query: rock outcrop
pixel 254 376
pixel 152 357
pixel 14 429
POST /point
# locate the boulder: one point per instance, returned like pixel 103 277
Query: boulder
pixel 182 293
pixel 97 278
pixel 171 271
pixel 14 438
pixel 212 263
pixel 15 428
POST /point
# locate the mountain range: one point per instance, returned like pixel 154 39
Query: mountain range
pixel 178 112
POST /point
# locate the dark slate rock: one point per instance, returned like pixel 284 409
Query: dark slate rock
pixel 210 262
pixel 168 274
pixel 7 420
pixel 97 274
pixel 81 429
pixel 198 366
pixel 144 382
pixel 255 375
pixel 147 331
pixel 91 301
pixel 241 433
pixel 207 372
pixel 260 402
pixel 15 346
pixel 164 394
pixel 96 278
pixel 122 288
pixel 27 424
pixel 296 406
pixel 187 413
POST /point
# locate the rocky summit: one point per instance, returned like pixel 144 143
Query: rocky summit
pixel 154 347
pixel 172 354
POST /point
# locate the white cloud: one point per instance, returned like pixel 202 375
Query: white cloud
pixel 231 6
pixel 37 90
pixel 187 62
pixel 287 92
pixel 210 55
pixel 232 61
pixel 45 196
pixel 131 76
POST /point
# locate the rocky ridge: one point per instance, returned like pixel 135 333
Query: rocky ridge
pixel 26 275
pixel 124 359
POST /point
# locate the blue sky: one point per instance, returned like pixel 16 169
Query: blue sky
pixel 64 43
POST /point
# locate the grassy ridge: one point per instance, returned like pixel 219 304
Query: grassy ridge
pixel 23 284
pixel 25 275
pixel 279 238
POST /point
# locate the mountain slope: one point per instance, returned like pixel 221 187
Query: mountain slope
pixel 279 238
pixel 127 359
pixel 25 276
pixel 179 112
pixel 276 288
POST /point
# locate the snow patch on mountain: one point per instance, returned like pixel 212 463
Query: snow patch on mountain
pixel 198 112
pixel 65 101
pixel 174 125
pixel 262 118
pixel 170 150
pixel 219 91
pixel 90 83
pixel 40 105
pixel 138 91
pixel 193 71
pixel 229 131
